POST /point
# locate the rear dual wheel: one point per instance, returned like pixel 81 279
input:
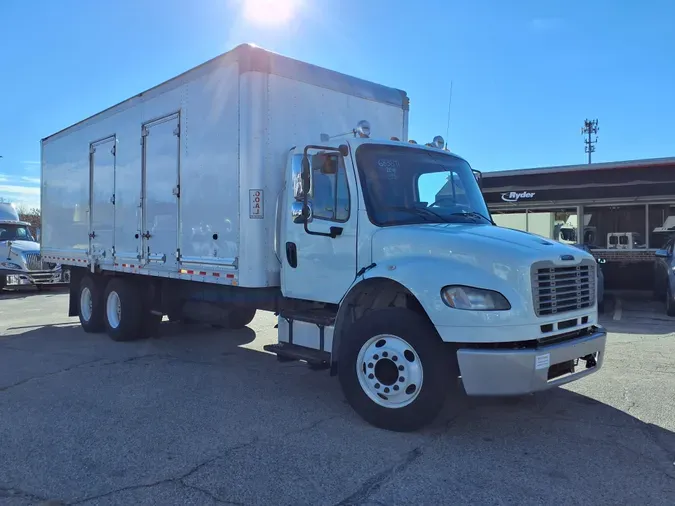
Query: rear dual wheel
pixel 90 308
pixel 116 307
pixel 127 317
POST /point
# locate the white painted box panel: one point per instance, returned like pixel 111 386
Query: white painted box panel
pixel 208 198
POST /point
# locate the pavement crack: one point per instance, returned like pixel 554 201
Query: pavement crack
pixel 60 371
pixel 175 480
pixel 118 490
pixel 210 494
pixel 374 483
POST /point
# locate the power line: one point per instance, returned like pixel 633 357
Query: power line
pixel 590 128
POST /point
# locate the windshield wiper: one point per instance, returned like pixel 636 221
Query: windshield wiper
pixel 473 214
pixel 419 211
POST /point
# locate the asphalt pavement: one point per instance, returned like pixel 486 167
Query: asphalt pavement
pixel 202 416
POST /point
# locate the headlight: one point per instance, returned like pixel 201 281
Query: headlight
pixel 11 265
pixel 474 299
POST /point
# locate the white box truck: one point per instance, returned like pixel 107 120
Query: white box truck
pixel 252 183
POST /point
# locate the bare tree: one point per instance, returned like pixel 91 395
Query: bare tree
pixel 31 215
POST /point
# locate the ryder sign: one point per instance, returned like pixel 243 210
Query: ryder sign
pixel 517 196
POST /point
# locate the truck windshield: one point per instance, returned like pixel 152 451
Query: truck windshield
pixel 404 185
pixel 10 232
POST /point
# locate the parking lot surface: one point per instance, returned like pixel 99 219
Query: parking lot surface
pixel 201 416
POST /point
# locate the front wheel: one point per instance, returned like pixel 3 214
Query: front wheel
pixel 395 371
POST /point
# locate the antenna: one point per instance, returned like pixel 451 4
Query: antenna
pixel 447 128
pixel 589 128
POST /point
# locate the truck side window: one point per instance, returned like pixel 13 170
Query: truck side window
pixel 330 189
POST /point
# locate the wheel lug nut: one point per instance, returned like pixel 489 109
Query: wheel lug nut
pixel 371 376
pixel 400 367
pixel 377 385
pixel 396 387
pixel 385 354
pixel 394 358
pixel 401 379
pixel 386 390
pixel 376 357
pixel 370 365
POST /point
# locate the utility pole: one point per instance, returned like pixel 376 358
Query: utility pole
pixel 590 128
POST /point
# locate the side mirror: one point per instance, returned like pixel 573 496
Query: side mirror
pixel 479 177
pixel 302 213
pixel 661 253
pixel 306 181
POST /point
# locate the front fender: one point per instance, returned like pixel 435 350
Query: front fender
pixel 424 277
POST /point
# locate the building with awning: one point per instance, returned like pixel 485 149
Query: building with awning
pixel 628 210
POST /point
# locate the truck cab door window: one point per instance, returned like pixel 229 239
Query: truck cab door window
pixel 330 190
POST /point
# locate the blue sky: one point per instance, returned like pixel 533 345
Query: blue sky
pixel 526 73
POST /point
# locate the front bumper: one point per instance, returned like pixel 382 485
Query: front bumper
pixel 522 371
pixel 29 278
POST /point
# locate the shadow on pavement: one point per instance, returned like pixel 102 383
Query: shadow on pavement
pixel 142 413
pixel 628 313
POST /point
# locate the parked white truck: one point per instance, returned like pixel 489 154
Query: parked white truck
pixel 20 261
pixel 252 183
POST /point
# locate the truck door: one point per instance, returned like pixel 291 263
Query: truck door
pixel 315 265
pixel 102 158
pixel 161 190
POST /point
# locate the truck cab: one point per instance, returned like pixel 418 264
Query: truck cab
pixel 516 311
pixel 20 260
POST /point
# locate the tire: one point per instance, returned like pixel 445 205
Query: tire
pixel 90 297
pixel 124 310
pixel 409 339
pixel 240 318
pixel 670 303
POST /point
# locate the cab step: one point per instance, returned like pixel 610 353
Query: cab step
pixel 286 352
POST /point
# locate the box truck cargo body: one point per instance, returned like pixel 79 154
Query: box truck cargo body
pixel 253 182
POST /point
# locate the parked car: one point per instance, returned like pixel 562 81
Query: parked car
pixel 600 277
pixel 664 277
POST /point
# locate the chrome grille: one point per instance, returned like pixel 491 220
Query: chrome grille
pixel 561 289
pixel 34 262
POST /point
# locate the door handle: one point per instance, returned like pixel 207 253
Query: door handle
pixel 292 254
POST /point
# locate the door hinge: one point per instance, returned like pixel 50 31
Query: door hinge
pixel 176 190
pixel 176 131
pixel 113 150
pixel 144 133
pixel 92 150
pixel 112 199
pixel 178 254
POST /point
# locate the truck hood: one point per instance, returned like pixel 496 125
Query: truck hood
pixel 22 246
pixel 468 243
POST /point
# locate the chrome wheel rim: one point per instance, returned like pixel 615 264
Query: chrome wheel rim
pixel 114 310
pixel 389 371
pixel 86 304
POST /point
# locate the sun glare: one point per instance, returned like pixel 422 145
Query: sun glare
pixel 270 12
